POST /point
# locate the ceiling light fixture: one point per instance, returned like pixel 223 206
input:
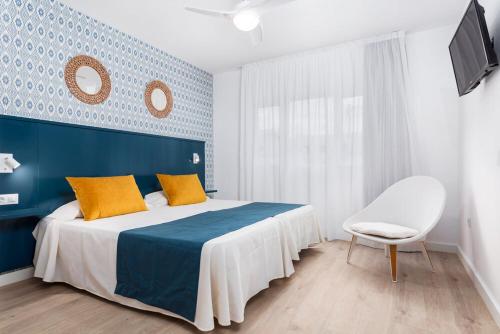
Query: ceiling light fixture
pixel 246 20
pixel 245 15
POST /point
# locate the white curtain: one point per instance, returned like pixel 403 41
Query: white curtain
pixel 327 127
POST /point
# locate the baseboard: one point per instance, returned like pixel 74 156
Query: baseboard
pixel 16 276
pixel 441 247
pixel 491 303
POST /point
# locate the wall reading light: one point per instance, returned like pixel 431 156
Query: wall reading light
pixel 8 163
pixel 196 158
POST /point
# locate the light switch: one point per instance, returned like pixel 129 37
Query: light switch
pixel 9 199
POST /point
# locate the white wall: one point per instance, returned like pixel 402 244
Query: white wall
pixel 480 110
pixel 226 133
pixel 435 106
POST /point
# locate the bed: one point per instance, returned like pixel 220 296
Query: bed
pixel 233 267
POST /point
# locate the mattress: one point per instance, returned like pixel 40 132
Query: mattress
pixel 233 267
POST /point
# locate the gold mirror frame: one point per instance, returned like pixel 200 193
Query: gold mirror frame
pixel 70 77
pixel 149 103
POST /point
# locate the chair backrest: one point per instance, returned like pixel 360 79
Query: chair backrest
pixel 417 202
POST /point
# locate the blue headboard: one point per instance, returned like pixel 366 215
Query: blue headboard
pixel 50 151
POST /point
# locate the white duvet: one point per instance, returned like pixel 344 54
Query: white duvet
pixel 233 267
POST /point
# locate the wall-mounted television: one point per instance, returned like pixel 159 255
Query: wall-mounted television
pixel 471 49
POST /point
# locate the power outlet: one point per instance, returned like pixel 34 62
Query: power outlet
pixel 9 199
pixel 469 222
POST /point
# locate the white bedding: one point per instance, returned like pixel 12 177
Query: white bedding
pixel 233 267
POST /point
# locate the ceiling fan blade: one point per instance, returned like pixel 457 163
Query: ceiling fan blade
pixel 210 12
pixel 270 4
pixel 247 4
pixel 256 35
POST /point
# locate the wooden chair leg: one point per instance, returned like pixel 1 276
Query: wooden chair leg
pixel 351 246
pixel 426 255
pixel 394 262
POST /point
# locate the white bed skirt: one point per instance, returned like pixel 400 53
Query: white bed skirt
pixel 233 267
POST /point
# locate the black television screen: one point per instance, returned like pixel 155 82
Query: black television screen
pixel 471 50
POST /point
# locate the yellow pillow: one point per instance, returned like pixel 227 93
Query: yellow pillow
pixel 102 197
pixel 182 189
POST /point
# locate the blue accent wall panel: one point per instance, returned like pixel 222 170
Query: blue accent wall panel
pixel 38 37
pixel 20 138
pixel 17 244
pixel 50 151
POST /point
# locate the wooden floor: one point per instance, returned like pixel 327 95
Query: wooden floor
pixel 324 296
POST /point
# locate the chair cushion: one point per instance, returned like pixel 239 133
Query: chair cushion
pixel 390 231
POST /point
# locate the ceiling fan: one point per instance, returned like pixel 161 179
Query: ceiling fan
pixel 246 15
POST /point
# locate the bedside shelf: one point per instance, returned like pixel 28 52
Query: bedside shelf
pixel 22 213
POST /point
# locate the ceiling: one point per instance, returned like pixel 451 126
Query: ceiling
pixel 215 45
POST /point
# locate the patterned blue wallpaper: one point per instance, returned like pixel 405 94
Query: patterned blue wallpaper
pixel 38 37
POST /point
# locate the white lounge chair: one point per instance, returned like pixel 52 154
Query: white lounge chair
pixel 415 203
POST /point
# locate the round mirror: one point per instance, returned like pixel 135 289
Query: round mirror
pixel 158 99
pixel 87 79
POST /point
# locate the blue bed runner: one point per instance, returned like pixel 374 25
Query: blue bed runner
pixel 159 265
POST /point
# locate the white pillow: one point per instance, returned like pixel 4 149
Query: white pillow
pixel 390 231
pixel 68 211
pixel 156 199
